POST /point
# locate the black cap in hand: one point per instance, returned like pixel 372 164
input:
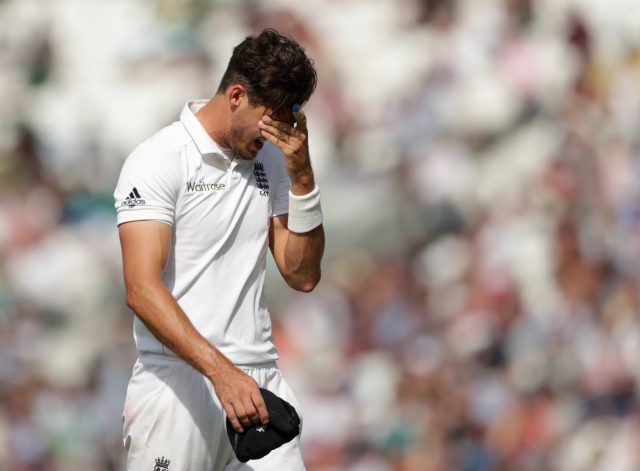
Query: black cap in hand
pixel 258 440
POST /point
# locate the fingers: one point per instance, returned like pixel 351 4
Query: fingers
pixel 275 129
pixel 258 402
pixel 250 409
pixel 242 413
pixel 281 134
pixel 245 406
pixel 233 418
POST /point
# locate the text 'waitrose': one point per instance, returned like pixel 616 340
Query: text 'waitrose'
pixel 202 186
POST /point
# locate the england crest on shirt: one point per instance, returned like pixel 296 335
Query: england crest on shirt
pixel 261 178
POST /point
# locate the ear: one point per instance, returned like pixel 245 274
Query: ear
pixel 236 93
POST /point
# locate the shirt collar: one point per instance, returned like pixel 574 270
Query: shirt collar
pixel 202 140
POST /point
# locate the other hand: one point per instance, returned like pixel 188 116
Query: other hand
pixel 240 397
pixel 294 144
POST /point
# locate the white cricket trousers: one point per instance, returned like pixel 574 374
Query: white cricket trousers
pixel 173 420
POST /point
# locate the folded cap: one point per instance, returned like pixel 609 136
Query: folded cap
pixel 258 440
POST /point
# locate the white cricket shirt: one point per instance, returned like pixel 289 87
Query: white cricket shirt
pixel 220 208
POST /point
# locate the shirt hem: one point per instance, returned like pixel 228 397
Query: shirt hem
pixel 248 363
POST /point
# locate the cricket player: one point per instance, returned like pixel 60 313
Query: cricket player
pixel 199 204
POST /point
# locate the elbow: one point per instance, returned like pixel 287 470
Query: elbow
pixel 305 285
pixel 131 300
pixel 133 297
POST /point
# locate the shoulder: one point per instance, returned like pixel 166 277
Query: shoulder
pixel 167 142
pixel 157 160
pixel 160 153
pixel 271 158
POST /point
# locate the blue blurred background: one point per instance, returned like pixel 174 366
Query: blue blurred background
pixel 480 168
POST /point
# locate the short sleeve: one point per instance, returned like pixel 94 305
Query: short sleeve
pixel 149 185
pixel 280 202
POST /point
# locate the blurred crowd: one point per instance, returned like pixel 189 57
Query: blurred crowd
pixel 480 168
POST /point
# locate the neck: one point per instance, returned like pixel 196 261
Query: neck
pixel 214 118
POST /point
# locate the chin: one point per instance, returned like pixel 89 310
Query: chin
pixel 248 154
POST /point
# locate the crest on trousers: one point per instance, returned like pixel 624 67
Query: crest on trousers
pixel 162 464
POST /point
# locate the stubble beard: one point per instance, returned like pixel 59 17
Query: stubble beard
pixel 239 143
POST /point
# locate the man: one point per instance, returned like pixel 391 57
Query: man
pixel 198 204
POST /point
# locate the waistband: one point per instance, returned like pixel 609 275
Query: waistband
pixel 154 356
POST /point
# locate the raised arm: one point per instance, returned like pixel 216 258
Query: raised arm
pixel 296 240
pixel 145 250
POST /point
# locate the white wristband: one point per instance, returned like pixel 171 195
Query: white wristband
pixel 305 213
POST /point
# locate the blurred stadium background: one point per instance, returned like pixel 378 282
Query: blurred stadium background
pixel 480 168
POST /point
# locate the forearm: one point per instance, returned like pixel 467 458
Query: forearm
pixel 159 311
pixel 302 257
pixel 305 239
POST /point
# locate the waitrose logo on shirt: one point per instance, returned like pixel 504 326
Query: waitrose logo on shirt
pixel 202 186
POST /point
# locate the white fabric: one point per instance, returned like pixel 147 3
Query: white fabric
pixel 172 412
pixel 220 208
pixel 305 213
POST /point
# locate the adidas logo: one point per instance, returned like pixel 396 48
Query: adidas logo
pixel 133 199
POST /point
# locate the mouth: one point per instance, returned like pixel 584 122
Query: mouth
pixel 259 142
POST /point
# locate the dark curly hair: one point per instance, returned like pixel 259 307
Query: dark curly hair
pixel 273 68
